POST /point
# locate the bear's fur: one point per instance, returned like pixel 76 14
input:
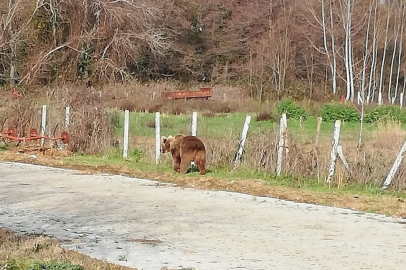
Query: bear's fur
pixel 184 150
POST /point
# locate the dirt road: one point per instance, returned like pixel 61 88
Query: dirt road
pixel 148 225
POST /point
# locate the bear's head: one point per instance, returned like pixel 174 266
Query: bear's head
pixel 166 143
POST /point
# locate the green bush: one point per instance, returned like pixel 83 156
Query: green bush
pixel 35 265
pixel 385 113
pixel 332 112
pixel 292 111
pixel 56 266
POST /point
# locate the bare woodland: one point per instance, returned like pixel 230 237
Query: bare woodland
pixel 309 48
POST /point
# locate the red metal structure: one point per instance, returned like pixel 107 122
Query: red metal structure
pixel 11 135
pixel 204 93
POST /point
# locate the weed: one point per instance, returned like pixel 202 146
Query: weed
pixel 291 109
pixel 332 112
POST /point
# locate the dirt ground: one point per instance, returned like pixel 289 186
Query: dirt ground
pixel 151 225
pixel 387 205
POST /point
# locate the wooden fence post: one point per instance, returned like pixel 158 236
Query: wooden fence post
pixel 43 123
pixel 67 116
pixel 282 143
pixel 395 167
pixel 242 141
pixel 157 137
pixel 319 121
pixel 194 124
pixel 333 153
pixel 126 133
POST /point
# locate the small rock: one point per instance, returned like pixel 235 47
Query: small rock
pixel 33 156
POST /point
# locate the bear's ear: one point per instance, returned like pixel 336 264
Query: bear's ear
pixel 163 138
pixel 170 137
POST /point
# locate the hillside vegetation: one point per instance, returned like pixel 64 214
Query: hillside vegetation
pixel 310 48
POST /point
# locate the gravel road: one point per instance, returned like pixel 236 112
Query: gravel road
pixel 150 225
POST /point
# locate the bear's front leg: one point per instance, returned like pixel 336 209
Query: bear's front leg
pixel 176 164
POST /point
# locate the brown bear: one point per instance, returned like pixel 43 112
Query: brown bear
pixel 184 150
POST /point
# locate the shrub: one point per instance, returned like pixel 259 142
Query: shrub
pixel 55 266
pixel 292 111
pixel 385 113
pixel 333 112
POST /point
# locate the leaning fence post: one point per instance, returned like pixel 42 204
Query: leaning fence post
pixel 243 139
pixel 157 137
pixel 401 100
pixel 67 116
pixel 395 167
pixel 43 123
pixel 126 132
pixel 194 124
pixel 281 144
pixel 334 151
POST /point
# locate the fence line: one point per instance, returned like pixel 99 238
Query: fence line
pixel 283 125
pixel 244 134
pixel 194 124
pixel 336 150
pixel 43 123
pixel 126 133
pixel 157 137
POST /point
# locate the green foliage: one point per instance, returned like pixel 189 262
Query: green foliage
pixel 136 154
pixel 385 113
pixel 55 266
pixel 291 109
pixel 332 112
pixel 27 265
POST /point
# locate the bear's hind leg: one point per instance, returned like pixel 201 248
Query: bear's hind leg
pixel 201 163
pixel 184 165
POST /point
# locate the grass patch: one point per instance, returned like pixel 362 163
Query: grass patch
pixel 42 253
pixel 292 182
pixel 231 124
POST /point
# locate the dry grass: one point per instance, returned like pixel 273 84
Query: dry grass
pixel 43 249
pixel 90 128
pixel 91 131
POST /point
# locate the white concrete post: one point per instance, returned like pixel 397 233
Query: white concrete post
pixel 334 151
pixel 67 116
pixel 157 137
pixel 126 133
pixel 401 100
pixel 244 134
pixel 282 141
pixel 194 124
pixel 395 167
pixel 43 122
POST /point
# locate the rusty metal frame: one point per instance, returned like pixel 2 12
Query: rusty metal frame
pixel 11 135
